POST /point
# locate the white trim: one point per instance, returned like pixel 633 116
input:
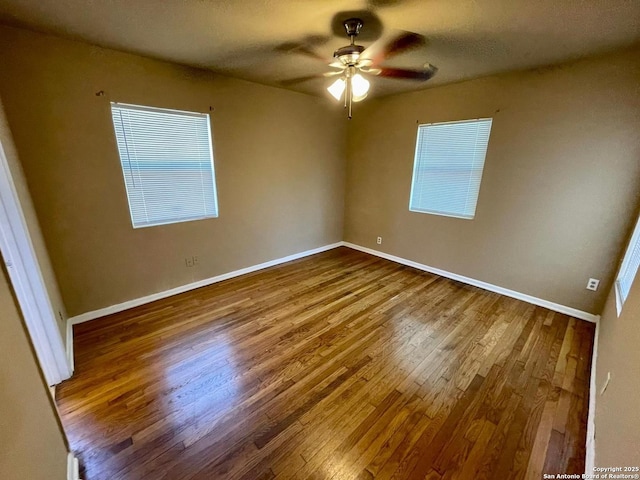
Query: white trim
pixel 590 460
pixel 69 345
pixel 573 312
pixel 417 160
pixel 142 221
pixel 634 242
pixel 451 122
pixel 590 446
pixel 27 281
pixel 147 108
pixel 73 467
pixel 619 301
pixel 85 317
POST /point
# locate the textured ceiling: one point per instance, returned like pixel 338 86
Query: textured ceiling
pixel 251 39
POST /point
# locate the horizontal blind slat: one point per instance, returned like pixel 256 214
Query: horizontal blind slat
pixel 630 264
pixel 167 163
pixel 448 167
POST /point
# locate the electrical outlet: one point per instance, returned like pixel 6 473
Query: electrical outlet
pixel 593 284
pixel 60 315
pixel 195 260
pixel 188 262
pixel 379 240
pixel 606 383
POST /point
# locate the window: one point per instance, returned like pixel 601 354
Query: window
pixel 167 163
pixel 628 269
pixel 448 167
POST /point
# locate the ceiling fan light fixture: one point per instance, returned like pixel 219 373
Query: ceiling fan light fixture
pixel 359 87
pixel 353 61
pixel 336 89
pixel 360 98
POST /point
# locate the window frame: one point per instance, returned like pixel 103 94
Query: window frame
pixel 626 259
pixel 147 108
pixel 416 161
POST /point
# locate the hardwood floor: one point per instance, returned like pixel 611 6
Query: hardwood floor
pixel 337 366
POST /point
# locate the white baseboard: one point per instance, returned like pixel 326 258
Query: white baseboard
pixel 573 312
pixel 590 459
pixel 73 467
pixel 85 317
pixel 591 427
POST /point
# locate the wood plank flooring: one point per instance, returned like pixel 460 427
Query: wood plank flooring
pixel 337 366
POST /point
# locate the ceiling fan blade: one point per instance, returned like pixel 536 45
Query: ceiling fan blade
pixel 382 49
pixel 309 52
pixel 420 75
pixel 294 81
pixel 371 71
pixel 300 48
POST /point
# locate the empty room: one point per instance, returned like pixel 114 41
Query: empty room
pixel 319 239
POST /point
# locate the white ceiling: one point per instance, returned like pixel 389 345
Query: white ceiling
pixel 467 38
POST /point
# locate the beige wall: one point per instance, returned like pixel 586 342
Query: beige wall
pixel 278 156
pixel 33 446
pixel 561 178
pixel 561 184
pixel 17 175
pixel 617 416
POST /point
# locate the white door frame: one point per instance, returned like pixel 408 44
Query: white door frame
pixel 28 283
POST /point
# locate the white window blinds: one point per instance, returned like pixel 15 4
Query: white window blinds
pixel 629 267
pixel 167 163
pixel 448 167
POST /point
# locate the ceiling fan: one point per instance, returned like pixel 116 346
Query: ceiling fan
pixel 354 63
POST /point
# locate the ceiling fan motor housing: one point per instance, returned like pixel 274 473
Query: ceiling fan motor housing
pixel 349 54
pixel 353 26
